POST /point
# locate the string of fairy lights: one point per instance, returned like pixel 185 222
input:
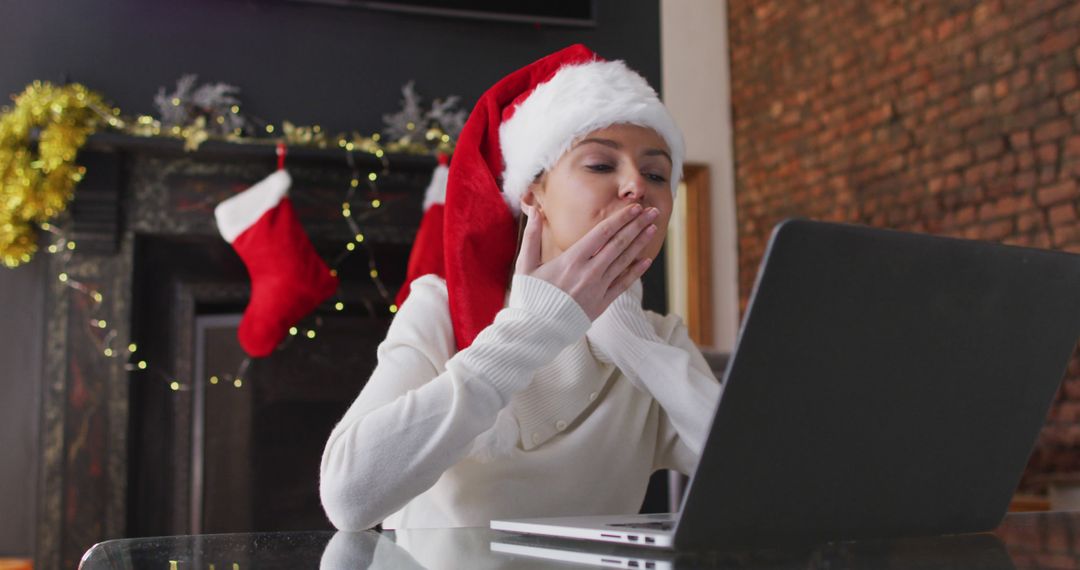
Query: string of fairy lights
pixel 40 138
pixel 175 565
pixel 107 339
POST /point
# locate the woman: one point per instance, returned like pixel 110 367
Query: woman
pixel 550 392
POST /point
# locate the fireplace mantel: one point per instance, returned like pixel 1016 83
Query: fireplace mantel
pixel 137 189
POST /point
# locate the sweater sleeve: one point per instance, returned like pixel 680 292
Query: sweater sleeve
pixel 410 423
pixel 687 417
pixel 656 354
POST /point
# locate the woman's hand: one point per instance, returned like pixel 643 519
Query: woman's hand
pixel 601 265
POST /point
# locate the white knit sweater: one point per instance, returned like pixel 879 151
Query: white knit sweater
pixel 533 419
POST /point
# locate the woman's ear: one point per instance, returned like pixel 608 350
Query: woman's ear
pixel 530 197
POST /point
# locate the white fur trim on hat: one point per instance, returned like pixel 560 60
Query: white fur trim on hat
pixel 577 100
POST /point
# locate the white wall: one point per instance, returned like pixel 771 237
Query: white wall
pixel 696 78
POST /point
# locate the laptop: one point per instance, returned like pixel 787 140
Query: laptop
pixel 984 551
pixel 883 384
pixel 576 552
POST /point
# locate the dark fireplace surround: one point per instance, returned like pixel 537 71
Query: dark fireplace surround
pixel 119 446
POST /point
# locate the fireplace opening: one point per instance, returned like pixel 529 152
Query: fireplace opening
pixel 237 450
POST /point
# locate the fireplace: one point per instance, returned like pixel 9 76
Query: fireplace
pixel 126 452
pixel 200 455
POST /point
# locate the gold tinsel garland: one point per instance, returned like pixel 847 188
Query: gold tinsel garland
pixel 37 181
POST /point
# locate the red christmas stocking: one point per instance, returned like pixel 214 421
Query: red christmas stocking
pixel 288 278
pixel 427 250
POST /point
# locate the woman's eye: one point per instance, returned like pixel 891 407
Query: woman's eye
pixel 655 177
pixel 600 167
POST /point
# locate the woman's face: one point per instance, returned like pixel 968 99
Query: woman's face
pixel 603 172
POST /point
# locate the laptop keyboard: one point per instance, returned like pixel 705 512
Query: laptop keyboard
pixel 661 525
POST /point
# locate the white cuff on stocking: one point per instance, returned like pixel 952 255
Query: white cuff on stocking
pixel 239 212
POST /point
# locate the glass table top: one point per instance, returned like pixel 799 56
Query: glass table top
pixel 1024 540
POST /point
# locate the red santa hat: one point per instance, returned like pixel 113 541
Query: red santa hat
pixel 519 128
pixel 427 250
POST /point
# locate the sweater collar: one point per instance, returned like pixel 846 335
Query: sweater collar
pixel 559 393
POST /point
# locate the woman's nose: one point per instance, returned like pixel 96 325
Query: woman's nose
pixel 633 187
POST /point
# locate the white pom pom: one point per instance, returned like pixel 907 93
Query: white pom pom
pixel 436 190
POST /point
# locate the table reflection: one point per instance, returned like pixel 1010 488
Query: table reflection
pixel 1047 540
pixel 440 549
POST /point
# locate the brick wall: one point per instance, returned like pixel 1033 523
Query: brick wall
pixel 949 117
pixel 1048 542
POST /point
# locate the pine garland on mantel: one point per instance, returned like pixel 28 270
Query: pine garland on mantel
pixel 41 135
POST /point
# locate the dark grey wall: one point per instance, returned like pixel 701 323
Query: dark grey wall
pixel 308 64
pixel 21 341
pixel 341 68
